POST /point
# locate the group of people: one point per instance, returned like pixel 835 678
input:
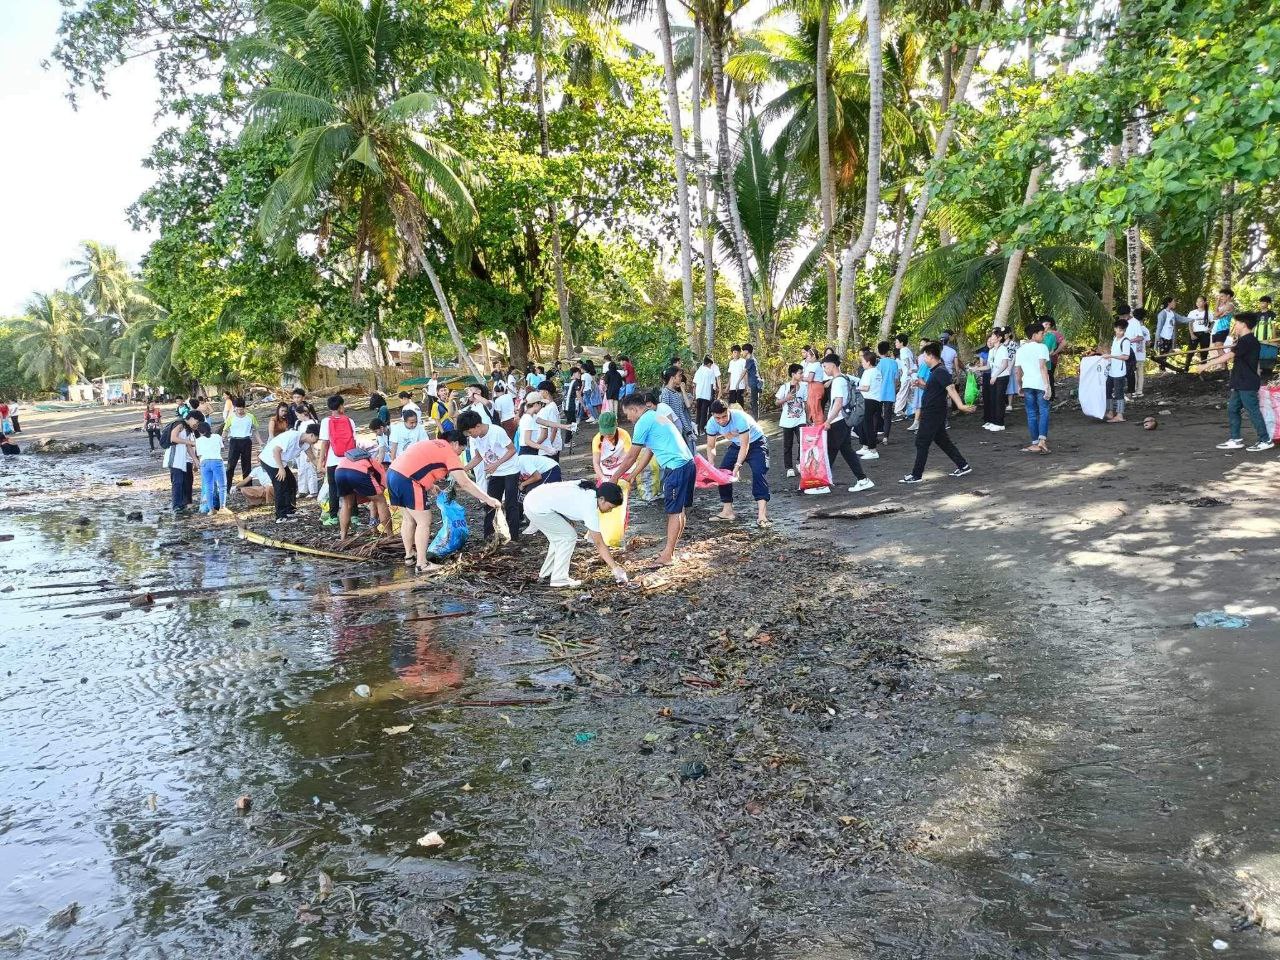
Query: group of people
pixel 9 425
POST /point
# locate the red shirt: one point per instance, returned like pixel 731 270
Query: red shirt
pixel 376 471
pixel 629 372
pixel 427 462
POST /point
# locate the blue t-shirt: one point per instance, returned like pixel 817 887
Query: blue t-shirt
pixel 888 368
pixel 739 422
pixel 662 439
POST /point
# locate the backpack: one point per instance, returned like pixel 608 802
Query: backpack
pixel 342 435
pixel 167 433
pixel 854 404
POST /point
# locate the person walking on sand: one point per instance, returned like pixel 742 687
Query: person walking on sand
pixel 213 471
pixel 890 374
pixel 743 434
pixel 239 429
pixel 870 385
pixel 706 384
pixel 755 382
pixel 151 422
pixel 791 415
pixel 554 508
pixel 836 425
pixel 1245 382
pixel 904 405
pixel 737 377
pixel 815 384
pixel 1031 377
pixel 412 479
pixel 933 416
pixel 995 395
pixel 655 437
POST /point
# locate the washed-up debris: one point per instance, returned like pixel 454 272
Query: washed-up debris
pixel 1220 619
pixel 431 840
pixel 66 917
pixel 276 878
pixel 362 690
pixel 243 803
pixel 396 731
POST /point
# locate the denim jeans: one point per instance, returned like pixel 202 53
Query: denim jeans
pixel 213 485
pixel 1248 399
pixel 1037 414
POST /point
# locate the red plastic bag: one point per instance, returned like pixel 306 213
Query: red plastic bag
pixel 709 475
pixel 815 467
pixel 1269 401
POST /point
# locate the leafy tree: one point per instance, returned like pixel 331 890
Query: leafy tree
pixel 53 339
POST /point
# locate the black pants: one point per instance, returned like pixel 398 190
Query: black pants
pixel 871 423
pixel 739 397
pixel 755 403
pixel 506 489
pixel 1053 377
pixel 840 442
pixel 17 427
pixel 1200 341
pixel 239 450
pixel 189 485
pixel 790 446
pixel 331 475
pixel 931 433
pixel 1131 373
pixel 995 400
pixel 285 485
pixel 153 435
pixel 704 414
pixel 1164 346
pixel 526 449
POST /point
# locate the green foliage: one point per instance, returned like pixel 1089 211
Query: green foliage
pixel 14 380
pixel 54 340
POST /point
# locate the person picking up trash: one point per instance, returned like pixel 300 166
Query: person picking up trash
pixel 554 508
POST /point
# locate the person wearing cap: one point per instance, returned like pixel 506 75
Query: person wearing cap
pixel 407 432
pixel 554 508
pixel 529 435
pixel 746 445
pixel 360 477
pixel 609 447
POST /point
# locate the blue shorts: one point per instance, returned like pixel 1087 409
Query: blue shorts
pixel 406 493
pixel 677 487
pixel 354 481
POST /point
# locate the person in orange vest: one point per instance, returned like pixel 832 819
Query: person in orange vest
pixel 359 478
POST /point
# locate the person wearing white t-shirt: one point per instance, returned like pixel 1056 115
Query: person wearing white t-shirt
pixel 706 384
pixel 1139 336
pixel 238 429
pixel 904 405
pixel 280 452
pixel 737 376
pixel 406 433
pixel 493 450
pixel 791 415
pixel 529 435
pixel 838 434
pixel 406 403
pixel 535 470
pixel 213 471
pixel 814 379
pixel 178 459
pixel 1117 362
pixel 554 508
pixel 1031 378
pixel 870 386
pixel 504 410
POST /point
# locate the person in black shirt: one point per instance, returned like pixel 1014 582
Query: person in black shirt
pixel 613 380
pixel 1265 331
pixel 299 404
pixel 1245 383
pixel 933 416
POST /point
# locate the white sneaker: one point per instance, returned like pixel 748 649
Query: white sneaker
pixel 1260 446
pixel 995 428
pixel 1232 444
pixel 870 455
pixel 862 449
pixel 566 584
pixel 914 427
pixel 987 426
pixel 790 474
pixel 817 491
pixel 863 484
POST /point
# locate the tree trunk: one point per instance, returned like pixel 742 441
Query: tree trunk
pixel 1007 292
pixel 544 145
pixel 682 175
pixel 464 355
pixel 704 203
pixel 1109 250
pixel 728 192
pixel 926 189
pixel 1228 236
pixel 371 344
pixel 857 250
pixel 426 354
pixel 826 177
pixel 1133 233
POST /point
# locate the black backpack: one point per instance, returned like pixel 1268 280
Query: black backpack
pixel 167 433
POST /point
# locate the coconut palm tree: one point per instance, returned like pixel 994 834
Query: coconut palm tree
pixel 775 200
pixel 360 142
pixel 102 279
pixel 53 339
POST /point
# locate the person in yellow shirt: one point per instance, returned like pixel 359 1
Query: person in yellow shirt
pixel 608 449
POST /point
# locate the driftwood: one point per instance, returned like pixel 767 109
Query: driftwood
pixel 857 513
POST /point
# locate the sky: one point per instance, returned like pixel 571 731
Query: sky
pixel 68 175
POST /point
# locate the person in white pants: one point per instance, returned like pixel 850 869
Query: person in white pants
pixel 553 508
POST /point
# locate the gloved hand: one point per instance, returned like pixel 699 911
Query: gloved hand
pixel 620 575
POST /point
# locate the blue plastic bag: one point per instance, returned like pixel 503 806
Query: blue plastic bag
pixel 453 532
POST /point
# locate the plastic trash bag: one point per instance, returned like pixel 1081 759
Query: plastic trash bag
pixel 1269 401
pixel 971 390
pixel 815 467
pixel 453 532
pixel 709 475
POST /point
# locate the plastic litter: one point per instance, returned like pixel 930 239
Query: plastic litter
pixel 584 736
pixel 1222 619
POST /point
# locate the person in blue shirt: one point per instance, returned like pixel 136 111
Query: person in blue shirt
pixel 657 438
pixel 742 432
pixel 890 380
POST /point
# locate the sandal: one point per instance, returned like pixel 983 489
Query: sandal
pixel 410 560
pixel 720 518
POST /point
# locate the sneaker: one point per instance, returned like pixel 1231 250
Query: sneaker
pixel 914 427
pixel 790 474
pixel 961 471
pixel 910 479
pixel 987 426
pixel 329 522
pixel 817 491
pixel 863 484
pixel 1232 444
pixel 283 519
pixel 1260 446
pixel 862 449
pixel 870 455
pixel 995 428
pixel 567 584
